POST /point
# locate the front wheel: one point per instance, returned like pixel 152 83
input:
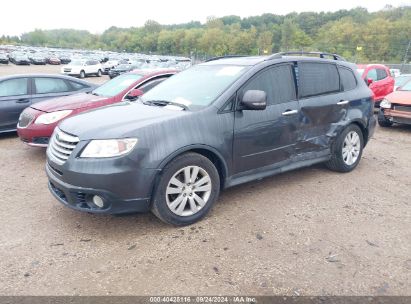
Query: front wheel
pixel 347 150
pixel 187 189
pixel 99 73
pixel 82 74
pixel 382 121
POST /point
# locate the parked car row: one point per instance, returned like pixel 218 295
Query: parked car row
pixel 169 142
pixel 37 55
pixel 21 91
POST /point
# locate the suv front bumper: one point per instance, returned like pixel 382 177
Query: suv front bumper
pixel 81 198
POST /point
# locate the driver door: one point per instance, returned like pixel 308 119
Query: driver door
pixel 267 137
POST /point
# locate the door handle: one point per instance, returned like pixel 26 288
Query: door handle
pixel 343 102
pixel 23 100
pixel 289 112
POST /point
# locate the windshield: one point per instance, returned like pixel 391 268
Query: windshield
pixel 406 87
pixel 116 85
pixel 360 71
pixel 123 66
pixel 196 87
pixel 400 80
pixel 77 62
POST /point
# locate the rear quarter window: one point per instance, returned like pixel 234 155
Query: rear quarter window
pixel 318 78
pixel 348 81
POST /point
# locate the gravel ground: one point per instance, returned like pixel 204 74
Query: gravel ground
pixel 306 232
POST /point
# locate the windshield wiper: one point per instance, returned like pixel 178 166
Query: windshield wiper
pixel 165 103
pixel 95 94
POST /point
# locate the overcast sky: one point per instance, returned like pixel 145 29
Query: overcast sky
pixel 19 16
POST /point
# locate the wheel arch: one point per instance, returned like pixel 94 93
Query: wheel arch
pixel 207 151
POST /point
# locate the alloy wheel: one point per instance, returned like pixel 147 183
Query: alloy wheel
pixel 188 191
pixel 351 148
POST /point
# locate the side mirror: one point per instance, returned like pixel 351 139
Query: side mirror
pixel 254 100
pixel 369 81
pixel 134 94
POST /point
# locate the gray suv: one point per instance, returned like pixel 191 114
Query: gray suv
pixel 218 124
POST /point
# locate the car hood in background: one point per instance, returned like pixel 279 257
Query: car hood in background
pixel 118 121
pixel 71 102
pixel 400 97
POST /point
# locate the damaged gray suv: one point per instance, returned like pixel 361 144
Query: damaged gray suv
pixel 216 125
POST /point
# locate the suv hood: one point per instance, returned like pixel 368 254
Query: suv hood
pixel 71 102
pixel 118 121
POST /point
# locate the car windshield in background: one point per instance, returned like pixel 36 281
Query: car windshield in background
pixel 360 71
pixel 123 66
pixel 406 87
pixel 400 80
pixel 197 87
pixel 77 62
pixel 115 86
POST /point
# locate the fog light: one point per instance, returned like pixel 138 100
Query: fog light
pixel 98 201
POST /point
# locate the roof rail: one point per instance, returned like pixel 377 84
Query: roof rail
pixel 319 54
pixel 222 57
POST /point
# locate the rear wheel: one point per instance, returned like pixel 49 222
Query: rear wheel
pixel 82 74
pixel 347 150
pixel 187 189
pixel 382 121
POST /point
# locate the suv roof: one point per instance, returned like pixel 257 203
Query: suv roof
pixel 253 60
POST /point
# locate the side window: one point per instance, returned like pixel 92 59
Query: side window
pixel 283 85
pixel 277 82
pixel 372 74
pixel 348 81
pixel 381 74
pixel 14 87
pixel 77 86
pixel 318 78
pixel 263 82
pixel 50 85
pixel 147 86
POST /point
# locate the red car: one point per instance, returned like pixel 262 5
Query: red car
pixel 378 78
pixel 396 107
pixel 37 123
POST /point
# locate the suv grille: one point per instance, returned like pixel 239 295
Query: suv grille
pixel 25 119
pixel 61 146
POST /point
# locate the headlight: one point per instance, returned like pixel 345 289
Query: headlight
pixel 52 117
pixel 109 147
pixel 385 104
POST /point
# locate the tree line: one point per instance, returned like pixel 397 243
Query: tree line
pixel 356 34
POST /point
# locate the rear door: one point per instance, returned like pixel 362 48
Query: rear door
pixel 267 137
pixel 47 88
pixel 322 105
pixel 15 96
pixel 385 81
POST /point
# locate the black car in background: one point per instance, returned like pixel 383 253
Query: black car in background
pixel 123 68
pixel 21 60
pixel 4 59
pixel 18 92
pixel 38 59
pixel 215 125
pixel 64 59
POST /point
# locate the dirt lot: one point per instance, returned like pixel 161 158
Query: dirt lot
pixel 307 232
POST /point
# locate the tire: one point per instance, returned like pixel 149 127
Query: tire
pixel 353 152
pixel 382 121
pixel 99 73
pixel 177 202
pixel 82 74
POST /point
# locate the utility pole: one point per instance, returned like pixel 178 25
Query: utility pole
pixel 406 55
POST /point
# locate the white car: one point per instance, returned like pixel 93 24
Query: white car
pixel 109 65
pixel 82 68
